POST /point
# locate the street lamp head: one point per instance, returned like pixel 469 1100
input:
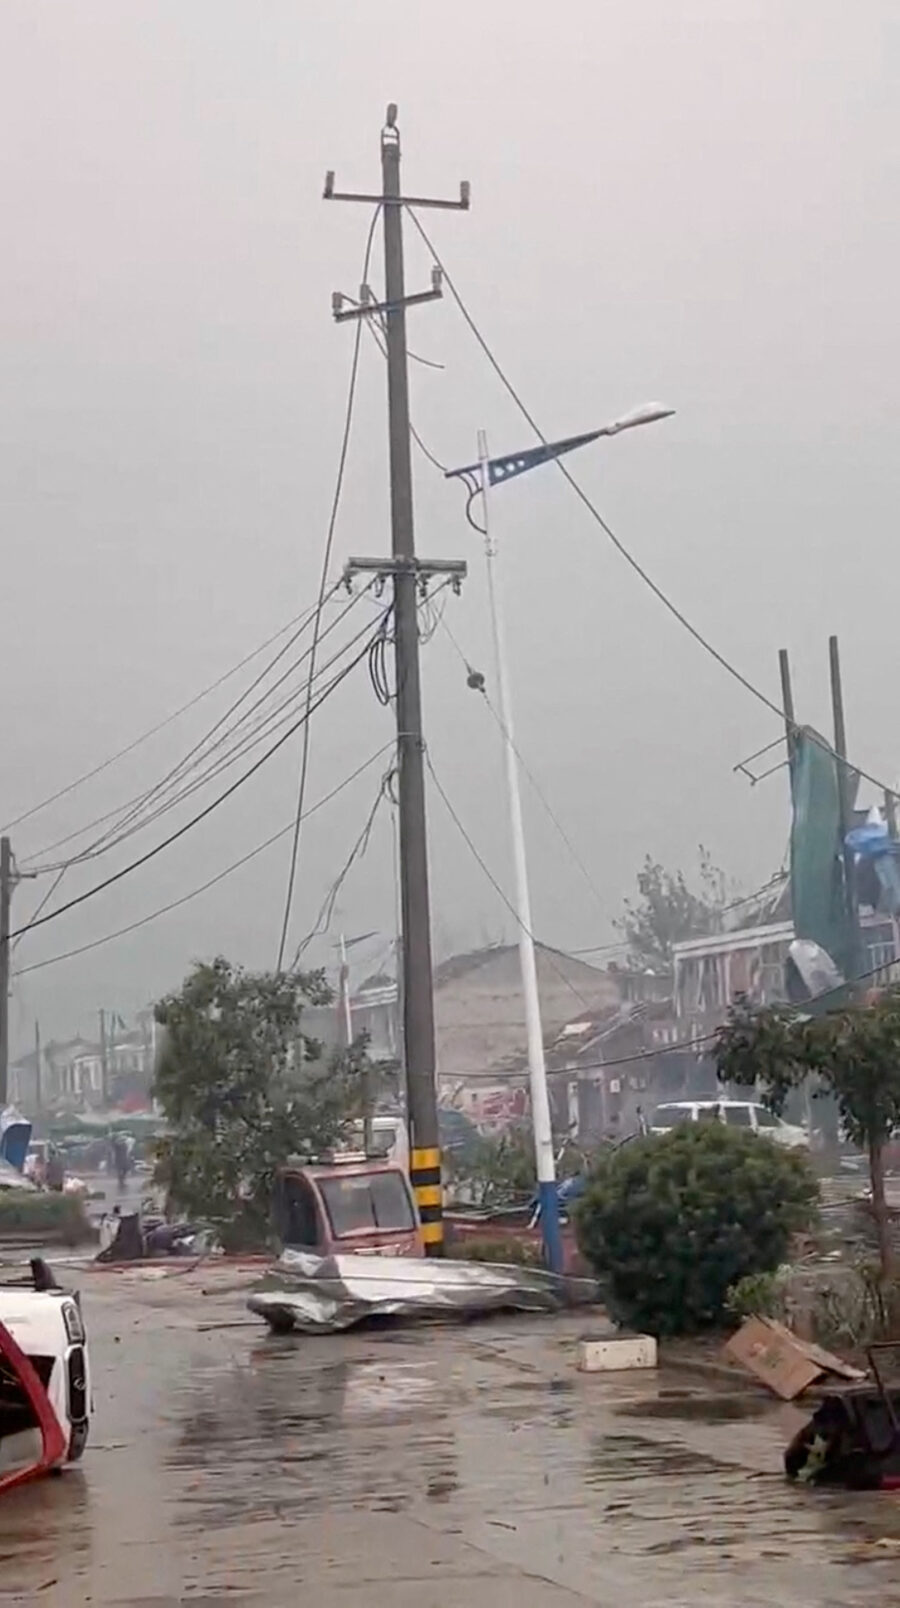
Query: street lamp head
pixel 650 413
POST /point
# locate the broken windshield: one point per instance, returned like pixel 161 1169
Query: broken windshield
pixel 360 1202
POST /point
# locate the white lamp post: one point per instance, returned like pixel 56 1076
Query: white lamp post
pixel 481 478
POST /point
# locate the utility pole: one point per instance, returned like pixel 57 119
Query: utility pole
pixel 854 937
pixel 410 576
pixel 787 704
pixel 104 1061
pixel 347 1028
pixel 6 887
pixel 38 1070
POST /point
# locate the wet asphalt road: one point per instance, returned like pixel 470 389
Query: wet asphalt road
pixel 441 1468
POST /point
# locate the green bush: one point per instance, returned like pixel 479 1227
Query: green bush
pixel 671 1222
pixel 760 1295
pixel 47 1218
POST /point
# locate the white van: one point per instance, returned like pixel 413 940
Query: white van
pixel 745 1114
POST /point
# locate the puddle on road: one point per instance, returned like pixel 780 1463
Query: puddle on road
pixel 697 1408
pixel 557 1479
pixel 282 1438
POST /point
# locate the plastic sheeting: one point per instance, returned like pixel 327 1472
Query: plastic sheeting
pixel 817 892
pixel 319 1295
pixel 817 972
pixel 15 1137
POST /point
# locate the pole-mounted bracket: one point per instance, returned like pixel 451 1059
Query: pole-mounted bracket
pixel 424 570
pixel 367 306
pixel 329 193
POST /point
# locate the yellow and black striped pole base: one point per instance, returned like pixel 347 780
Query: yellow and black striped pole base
pixel 425 1177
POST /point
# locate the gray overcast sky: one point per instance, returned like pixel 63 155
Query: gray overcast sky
pixel 692 202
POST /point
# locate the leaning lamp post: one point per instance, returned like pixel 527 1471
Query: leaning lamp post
pixel 480 479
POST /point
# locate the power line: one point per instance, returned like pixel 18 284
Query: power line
pixel 245 743
pixel 132 806
pixel 184 763
pixel 600 948
pixel 681 1044
pixel 167 720
pixel 496 885
pixel 323 920
pixel 44 902
pixel 326 562
pixel 220 876
pixel 576 857
pixel 595 949
pixel 617 542
pixel 196 819
pixel 775 881
pixel 378 338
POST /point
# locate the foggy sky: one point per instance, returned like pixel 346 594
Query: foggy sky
pixel 693 203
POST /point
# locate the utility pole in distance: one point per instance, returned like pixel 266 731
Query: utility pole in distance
pixel 7 875
pixel 409 576
pixel 846 790
pixel 104 1060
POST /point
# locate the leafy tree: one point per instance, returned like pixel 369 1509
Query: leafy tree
pixel 240 1095
pixel 499 1169
pixel 854 1054
pixel 669 910
pixel 671 1222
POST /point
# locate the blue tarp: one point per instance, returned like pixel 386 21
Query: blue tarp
pixel 15 1137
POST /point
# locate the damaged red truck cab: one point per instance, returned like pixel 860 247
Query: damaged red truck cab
pixel 347 1205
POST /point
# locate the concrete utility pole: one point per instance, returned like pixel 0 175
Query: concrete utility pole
pixel 38 1070
pixel 7 876
pixel 845 796
pixel 409 576
pixel 104 1060
pixel 787 704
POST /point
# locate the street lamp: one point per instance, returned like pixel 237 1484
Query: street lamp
pixel 480 478
pixel 342 945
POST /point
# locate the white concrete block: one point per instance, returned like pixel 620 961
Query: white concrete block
pixel 614 1353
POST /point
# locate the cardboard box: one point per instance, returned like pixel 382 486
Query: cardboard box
pixel 787 1365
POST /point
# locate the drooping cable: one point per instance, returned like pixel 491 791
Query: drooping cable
pixel 326 564
pixel 175 904
pixel 184 764
pixel 480 860
pixel 478 685
pixel 200 816
pixel 42 904
pixel 269 722
pixel 121 753
pixel 361 844
pixel 629 557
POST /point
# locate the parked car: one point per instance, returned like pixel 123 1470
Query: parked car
pixel 735 1114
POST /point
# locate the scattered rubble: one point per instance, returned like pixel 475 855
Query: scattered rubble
pixel 326 1294
pixel 853 1437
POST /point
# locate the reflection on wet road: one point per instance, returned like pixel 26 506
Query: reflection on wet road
pixel 438 1467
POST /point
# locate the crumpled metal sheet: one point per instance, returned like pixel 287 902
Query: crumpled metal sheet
pixel 322 1295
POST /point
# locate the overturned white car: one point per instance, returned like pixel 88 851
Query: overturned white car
pixel 45 1383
